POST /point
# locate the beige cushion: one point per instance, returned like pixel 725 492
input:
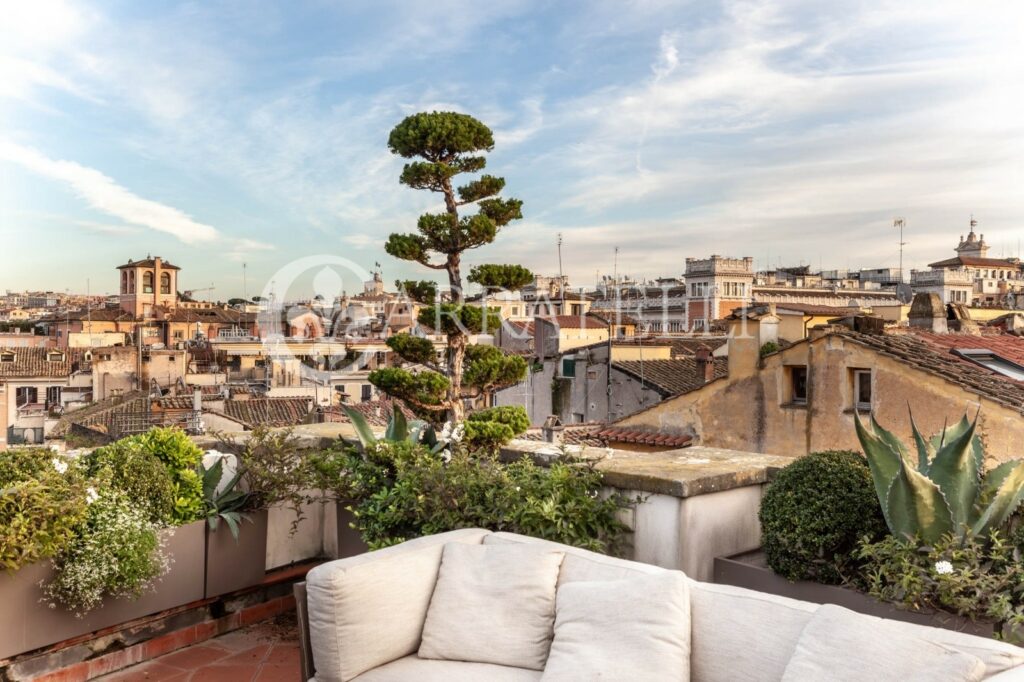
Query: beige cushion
pixel 636 629
pixel 738 634
pixel 842 646
pixel 493 604
pixel 425 670
pixel 368 610
pixel 580 564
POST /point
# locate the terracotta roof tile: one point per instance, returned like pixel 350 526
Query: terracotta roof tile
pixel 26 361
pixel 670 377
pixel 274 412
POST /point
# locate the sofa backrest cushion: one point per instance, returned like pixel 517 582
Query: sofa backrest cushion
pixel 580 564
pixel 493 604
pixel 368 610
pixel 738 634
pixel 633 629
pixel 840 645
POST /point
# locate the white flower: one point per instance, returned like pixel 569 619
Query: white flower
pixel 446 456
pixel 91 495
pixel 446 431
pixel 60 465
pixel 943 567
pixel 457 433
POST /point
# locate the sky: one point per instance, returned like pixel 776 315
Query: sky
pixel 217 134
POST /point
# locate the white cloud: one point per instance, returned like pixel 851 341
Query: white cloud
pixel 106 195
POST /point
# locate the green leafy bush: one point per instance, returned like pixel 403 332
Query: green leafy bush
pixel 401 490
pixel 140 474
pixel 182 458
pixel 42 501
pixel 116 551
pixel 968 576
pixel 814 513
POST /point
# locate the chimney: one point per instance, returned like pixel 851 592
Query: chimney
pixel 744 353
pixel 705 364
pixel 552 430
pixel 927 312
pixel 768 327
pixel 197 400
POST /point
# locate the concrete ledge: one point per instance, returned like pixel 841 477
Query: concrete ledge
pixel 680 473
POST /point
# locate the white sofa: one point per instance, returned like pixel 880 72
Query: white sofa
pixel 362 619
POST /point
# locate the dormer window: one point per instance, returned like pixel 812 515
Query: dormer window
pixel 7 357
pixel 55 357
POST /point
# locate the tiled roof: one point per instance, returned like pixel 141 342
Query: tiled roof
pixel 614 434
pixel 100 413
pixel 572 434
pixel 177 402
pixel 32 362
pixel 575 321
pixel 669 377
pixel 686 345
pixel 919 351
pixel 1004 345
pixel 110 314
pixel 974 261
pixel 222 315
pixel 268 411
pixel 148 263
pixel 377 412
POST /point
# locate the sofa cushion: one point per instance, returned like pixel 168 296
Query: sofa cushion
pixel 426 670
pixel 635 629
pixel 886 652
pixel 738 634
pixel 580 564
pixel 367 610
pixel 493 604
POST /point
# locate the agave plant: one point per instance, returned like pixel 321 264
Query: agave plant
pixel 224 501
pixel 945 492
pixel 398 429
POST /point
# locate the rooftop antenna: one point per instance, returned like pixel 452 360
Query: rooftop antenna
pixel 245 292
pixel 900 223
pixel 561 281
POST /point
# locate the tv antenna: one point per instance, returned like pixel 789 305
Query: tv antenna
pixel 561 280
pixel 900 223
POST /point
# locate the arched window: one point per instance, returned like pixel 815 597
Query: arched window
pixel 124 281
pixel 165 283
pixel 147 282
pixel 131 282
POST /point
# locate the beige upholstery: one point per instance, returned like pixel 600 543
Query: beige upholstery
pixel 415 669
pixel 368 610
pixel 634 629
pixel 493 604
pixel 885 652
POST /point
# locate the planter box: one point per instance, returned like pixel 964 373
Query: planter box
pixel 750 570
pixel 27 624
pixel 350 542
pixel 234 565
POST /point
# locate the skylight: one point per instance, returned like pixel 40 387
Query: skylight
pixel 990 360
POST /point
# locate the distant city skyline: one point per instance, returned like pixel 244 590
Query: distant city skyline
pixel 791 132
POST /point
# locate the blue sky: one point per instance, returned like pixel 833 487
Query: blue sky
pixel 217 133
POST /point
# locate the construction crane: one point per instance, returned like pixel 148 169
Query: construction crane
pixel 189 292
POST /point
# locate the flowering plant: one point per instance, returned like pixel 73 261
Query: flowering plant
pixel 116 551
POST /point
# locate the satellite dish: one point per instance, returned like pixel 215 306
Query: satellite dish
pixel 904 293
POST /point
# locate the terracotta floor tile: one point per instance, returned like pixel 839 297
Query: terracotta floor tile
pixel 240 640
pixel 153 671
pixel 255 654
pixel 193 657
pixel 284 654
pixel 279 673
pixel 226 673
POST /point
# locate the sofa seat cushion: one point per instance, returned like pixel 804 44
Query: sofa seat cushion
pixel 635 629
pixel 493 604
pixel 741 635
pixel 887 652
pixel 427 670
pixel 368 610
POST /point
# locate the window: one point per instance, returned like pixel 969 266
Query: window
pixel 569 367
pixel 147 282
pixel 367 392
pixel 862 389
pixel 7 357
pixel 26 395
pixel 165 283
pixel 178 334
pixel 991 361
pixel 515 311
pixel 52 395
pixel 798 385
pixel 55 357
pixel 578 418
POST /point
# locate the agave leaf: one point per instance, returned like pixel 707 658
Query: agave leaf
pixel 231 518
pixel 890 439
pixel 883 460
pixel 362 427
pixel 211 479
pixel 955 470
pixel 429 436
pixel 925 450
pixel 949 432
pixel 1002 493
pixel 398 427
pixel 917 507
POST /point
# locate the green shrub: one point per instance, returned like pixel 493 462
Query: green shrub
pixel 814 513
pixel 116 552
pixel 400 490
pixel 491 428
pixel 138 473
pixel 968 576
pixel 42 500
pixel 182 458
